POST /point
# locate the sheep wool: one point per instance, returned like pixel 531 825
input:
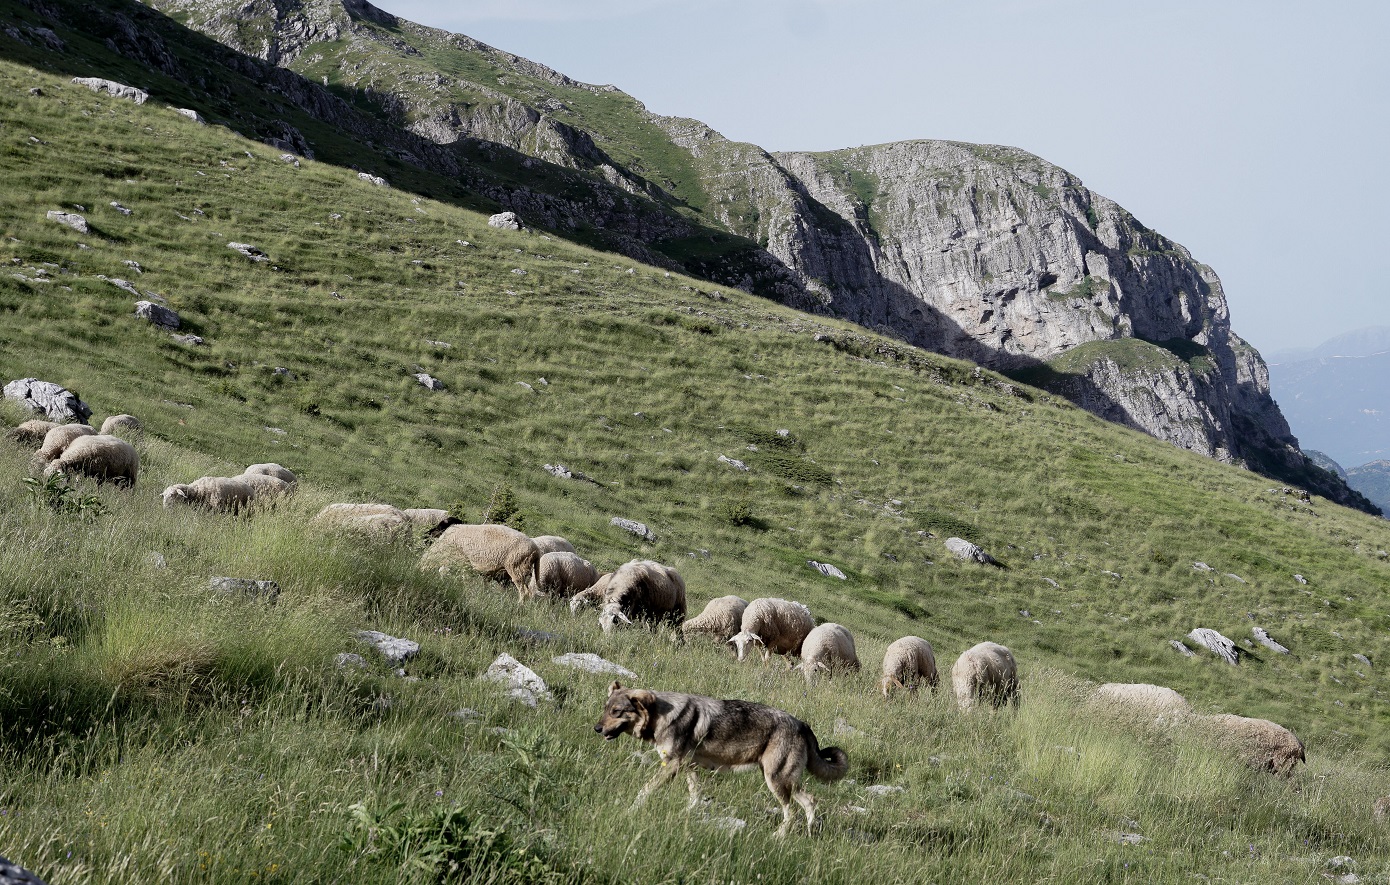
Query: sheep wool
pixel 779 626
pixel 721 619
pixel 908 662
pixel 103 458
pixel 56 441
pixel 985 672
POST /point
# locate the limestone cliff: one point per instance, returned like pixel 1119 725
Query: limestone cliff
pixel 982 252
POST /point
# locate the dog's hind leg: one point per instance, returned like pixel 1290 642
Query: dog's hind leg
pixel 808 802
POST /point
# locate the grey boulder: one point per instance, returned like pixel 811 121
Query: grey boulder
pixel 71 219
pixel 56 402
pixel 505 221
pixel 395 651
pixel 111 87
pixel 637 528
pixel 963 549
pixel 1215 643
pixel 159 316
pixel 267 590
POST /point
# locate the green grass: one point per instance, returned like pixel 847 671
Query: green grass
pixel 158 732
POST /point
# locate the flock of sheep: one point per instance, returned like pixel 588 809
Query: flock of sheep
pixel 641 590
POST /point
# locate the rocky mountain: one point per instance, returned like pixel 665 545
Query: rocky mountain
pixel 976 251
pixel 1373 481
pixel 1335 394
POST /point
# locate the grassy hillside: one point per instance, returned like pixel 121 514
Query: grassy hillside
pixel 153 731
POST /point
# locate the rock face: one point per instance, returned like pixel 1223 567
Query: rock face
pixel 977 251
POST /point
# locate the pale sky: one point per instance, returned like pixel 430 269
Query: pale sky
pixel 1254 133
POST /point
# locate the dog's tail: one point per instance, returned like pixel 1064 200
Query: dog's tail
pixel 827 765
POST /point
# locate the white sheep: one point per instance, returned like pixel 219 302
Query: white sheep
pixel 985 672
pixel 1141 697
pixel 217 493
pixel 118 424
pixel 425 517
pixel 32 432
pixel 907 662
pixel 1262 744
pixel 643 590
pixel 265 487
pixel 779 626
pixel 828 647
pixel 496 552
pixel 380 520
pixel 563 574
pixel 104 458
pixel 56 441
pixel 591 595
pixel 721 619
pixel 552 544
pixel 274 470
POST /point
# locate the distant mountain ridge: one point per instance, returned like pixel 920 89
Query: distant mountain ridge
pixel 982 252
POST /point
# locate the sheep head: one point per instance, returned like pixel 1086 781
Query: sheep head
pixel 612 616
pixel 742 639
pixel 177 493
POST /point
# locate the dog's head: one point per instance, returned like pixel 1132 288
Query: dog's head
pixel 627 711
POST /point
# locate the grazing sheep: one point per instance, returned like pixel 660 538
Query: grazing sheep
pixel 31 433
pixel 563 574
pixel 425 517
pixel 114 425
pixel 101 457
pixel 643 590
pixel 1150 700
pixel 720 620
pixel 591 595
pixel 372 519
pixel 552 544
pixel 778 625
pixel 828 647
pixel 1262 744
pixel 985 672
pixel 496 552
pixel 56 441
pixel 906 662
pixel 274 470
pixel 265 487
pixel 217 493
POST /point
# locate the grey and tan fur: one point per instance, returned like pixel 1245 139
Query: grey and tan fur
pixel 723 736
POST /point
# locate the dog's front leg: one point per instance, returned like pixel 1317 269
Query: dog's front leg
pixel 693 782
pixel 669 768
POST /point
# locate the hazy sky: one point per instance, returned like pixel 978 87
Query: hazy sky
pixel 1254 133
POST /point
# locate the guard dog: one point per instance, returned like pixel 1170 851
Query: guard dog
pixel 723 736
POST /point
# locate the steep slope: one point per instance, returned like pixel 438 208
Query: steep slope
pixel 982 252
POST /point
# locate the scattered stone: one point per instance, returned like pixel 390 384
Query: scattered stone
pixel 71 219
pixel 505 221
pixel 395 651
pixel 278 431
pixel 521 272
pixel 521 681
pixel 1181 649
pixel 537 636
pixel 119 208
pixel 429 381
pixel 374 179
pixel 12 873
pixel 1363 659
pixel 636 528
pixel 1115 575
pixel 1300 579
pixel 826 569
pixel 562 472
pixel 728 824
pixel 156 560
pixel 349 659
pixel 111 87
pixel 463 714
pixel 1202 567
pixel 525 385
pixel 290 160
pixel 734 463
pixel 159 316
pixel 592 663
pixel 1235 577
pixel 1341 862
pixel 1130 838
pixel 268 590
pixel 56 402
pixel 883 790
pixel 441 344
pixel 1052 582
pixel 190 340
pixel 783 432
pixel 283 372
pixel 1264 639
pixel 191 114
pixel 249 251
pixel 133 265
pixel 963 549
pixel 1215 643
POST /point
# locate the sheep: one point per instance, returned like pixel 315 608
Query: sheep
pixel 1150 700
pixel 217 493
pixel 265 487
pixel 829 646
pixel 563 574
pixel 985 672
pixel 372 519
pixel 907 661
pixel 271 470
pixel 591 595
pixel 552 544
pixel 114 425
pixel 56 441
pixel 425 517
pixel 778 625
pixel 1262 744
pixel 643 590
pixel 720 619
pixel 101 457
pixel 494 551
pixel 32 432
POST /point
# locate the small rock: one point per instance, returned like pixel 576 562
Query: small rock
pixel 463 714
pixel 159 316
pixel 1215 643
pixel 133 265
pixel 191 114
pixel 592 663
pixel 1235 577
pixel 441 344
pixel 728 824
pixel 1363 659
pixel 119 208
pixel 249 251
pixel 1202 567
pixel 1052 582
pixel 525 385
pixel 734 463
pixel 290 160
pixel 71 219
pixel 782 431
pixel 562 472
pixel 283 372
pixel 190 340
pixel 637 528
pixel 267 590
pixel 963 549
pixel 505 221
pixel 883 790
pixel 395 651
pixel 826 569
pixel 1264 639
pixel 429 381
pixel 537 636
pixel 156 560
pixel 1181 649
pixel 349 659
pixel 1300 579
pixel 521 681
pixel 373 179
pixel 111 87
pixel 1341 862
pixel 1130 838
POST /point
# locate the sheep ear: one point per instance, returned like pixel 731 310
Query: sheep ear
pixel 622 617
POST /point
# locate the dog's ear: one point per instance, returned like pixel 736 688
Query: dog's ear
pixel 640 697
pixel 616 686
